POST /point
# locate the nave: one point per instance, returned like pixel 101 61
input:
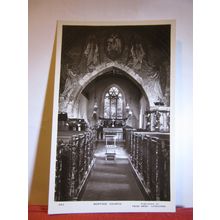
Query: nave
pixel 139 168
pixel 110 178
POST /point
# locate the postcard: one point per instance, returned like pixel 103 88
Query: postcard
pixel 112 145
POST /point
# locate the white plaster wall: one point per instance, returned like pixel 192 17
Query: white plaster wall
pixel 42 25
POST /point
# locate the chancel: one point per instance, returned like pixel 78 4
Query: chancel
pixel 114 114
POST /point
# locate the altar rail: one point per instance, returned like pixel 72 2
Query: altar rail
pixel 73 162
pixel 150 158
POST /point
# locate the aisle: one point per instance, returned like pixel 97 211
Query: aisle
pixel 112 179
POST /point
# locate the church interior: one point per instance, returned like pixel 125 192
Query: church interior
pixel 113 140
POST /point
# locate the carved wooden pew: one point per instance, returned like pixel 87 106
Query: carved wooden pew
pixel 74 160
pixel 150 158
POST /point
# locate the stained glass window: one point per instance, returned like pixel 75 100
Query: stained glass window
pixel 113 103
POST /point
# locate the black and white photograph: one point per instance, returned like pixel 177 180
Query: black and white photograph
pixel 112 148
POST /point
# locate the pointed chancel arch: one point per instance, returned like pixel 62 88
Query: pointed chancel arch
pixel 102 69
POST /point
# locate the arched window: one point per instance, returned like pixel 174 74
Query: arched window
pixel 113 103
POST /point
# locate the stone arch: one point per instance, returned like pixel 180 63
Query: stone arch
pixel 102 69
pixel 147 86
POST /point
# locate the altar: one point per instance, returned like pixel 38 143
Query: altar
pixel 118 132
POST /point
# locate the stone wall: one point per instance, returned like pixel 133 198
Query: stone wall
pixel 141 53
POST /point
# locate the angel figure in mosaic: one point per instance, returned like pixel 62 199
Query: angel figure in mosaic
pixel 70 85
pixel 91 53
pixel 136 54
